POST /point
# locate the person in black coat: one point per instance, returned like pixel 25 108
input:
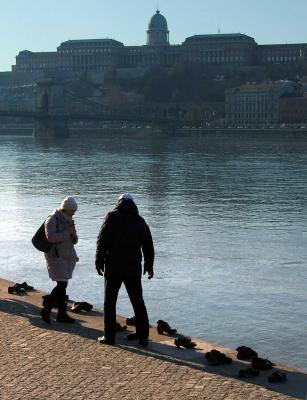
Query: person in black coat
pixel 123 238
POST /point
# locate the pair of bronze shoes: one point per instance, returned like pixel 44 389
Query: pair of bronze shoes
pixel 216 357
pixel 78 307
pixel 184 341
pixel 277 377
pixel 261 363
pixel 180 341
pixel 163 326
pixel 19 288
pixel 245 353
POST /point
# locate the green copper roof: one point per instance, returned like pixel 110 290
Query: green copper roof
pixel 108 42
pixel 219 36
pixel 157 21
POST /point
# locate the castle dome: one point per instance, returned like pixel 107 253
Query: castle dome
pixel 158 33
pixel 157 21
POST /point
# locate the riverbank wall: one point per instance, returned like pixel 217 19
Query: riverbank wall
pixel 96 131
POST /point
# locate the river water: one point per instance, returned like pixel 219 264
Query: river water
pixel 227 213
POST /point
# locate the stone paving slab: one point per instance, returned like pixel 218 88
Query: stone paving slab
pixel 57 361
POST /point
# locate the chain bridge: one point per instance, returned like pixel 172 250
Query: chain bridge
pixel 54 109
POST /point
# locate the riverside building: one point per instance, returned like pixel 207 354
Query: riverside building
pixel 263 105
pixel 109 56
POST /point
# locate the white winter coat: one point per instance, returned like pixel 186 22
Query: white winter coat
pixel 61 259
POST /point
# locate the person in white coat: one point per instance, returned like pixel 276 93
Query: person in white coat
pixel 61 259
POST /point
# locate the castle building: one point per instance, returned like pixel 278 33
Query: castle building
pixel 218 51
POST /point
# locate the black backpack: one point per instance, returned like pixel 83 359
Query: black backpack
pixel 40 241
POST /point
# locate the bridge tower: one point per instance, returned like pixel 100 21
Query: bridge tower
pixel 51 120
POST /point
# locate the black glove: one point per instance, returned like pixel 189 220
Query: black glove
pixel 149 270
pixel 100 269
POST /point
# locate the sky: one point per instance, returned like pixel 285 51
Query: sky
pixel 41 25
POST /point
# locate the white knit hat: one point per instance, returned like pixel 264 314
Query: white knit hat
pixel 126 196
pixel 69 203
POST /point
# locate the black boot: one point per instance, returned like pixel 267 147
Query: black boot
pixel 63 316
pixel 46 310
pixel 45 314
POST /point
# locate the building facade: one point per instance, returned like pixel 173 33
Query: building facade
pixel 30 62
pixel 89 55
pixel 220 50
pixel 281 53
pixel 258 105
pixel 216 51
pixel 293 110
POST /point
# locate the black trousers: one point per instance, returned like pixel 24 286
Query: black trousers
pixel 135 292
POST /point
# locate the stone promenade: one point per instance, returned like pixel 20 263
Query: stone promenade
pixel 56 361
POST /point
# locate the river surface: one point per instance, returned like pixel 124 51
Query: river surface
pixel 227 213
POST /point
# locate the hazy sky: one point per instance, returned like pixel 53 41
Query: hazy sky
pixel 41 25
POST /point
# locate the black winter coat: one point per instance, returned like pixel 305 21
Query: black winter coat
pixel 122 239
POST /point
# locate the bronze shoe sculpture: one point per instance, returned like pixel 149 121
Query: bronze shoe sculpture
pixel 163 326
